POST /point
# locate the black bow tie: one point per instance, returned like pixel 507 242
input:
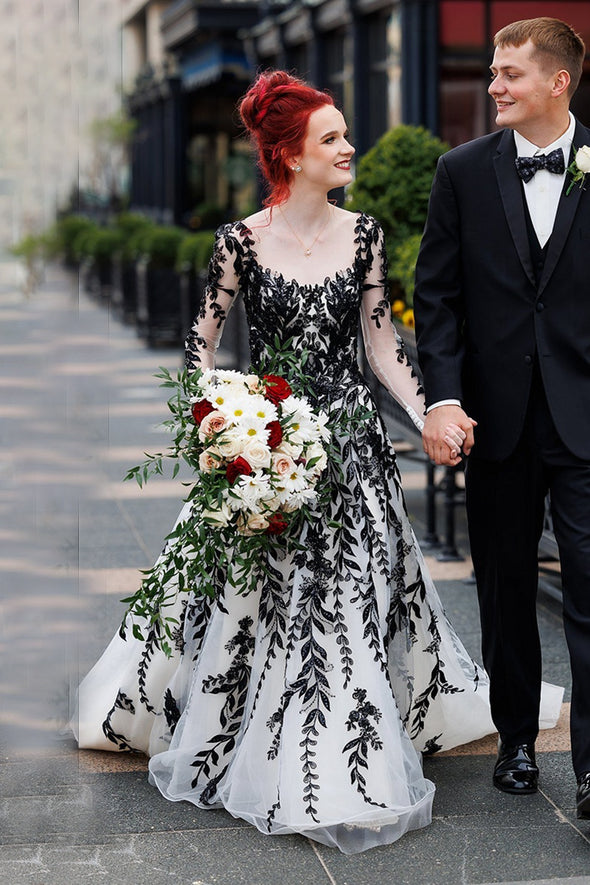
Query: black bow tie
pixel 553 162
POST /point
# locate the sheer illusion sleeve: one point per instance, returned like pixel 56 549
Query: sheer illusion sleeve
pixel 383 346
pixel 222 285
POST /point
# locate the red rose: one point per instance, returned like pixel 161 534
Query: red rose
pixel 275 434
pixel 276 388
pixel 276 524
pixel 239 467
pixel 201 409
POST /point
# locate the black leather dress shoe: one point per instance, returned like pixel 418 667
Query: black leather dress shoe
pixel 583 796
pixel 516 770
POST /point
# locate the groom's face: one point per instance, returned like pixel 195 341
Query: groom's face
pixel 521 88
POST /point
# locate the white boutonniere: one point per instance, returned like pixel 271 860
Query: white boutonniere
pixel 579 167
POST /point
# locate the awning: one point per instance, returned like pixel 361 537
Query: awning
pixel 209 63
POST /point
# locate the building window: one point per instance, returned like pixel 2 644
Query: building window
pixel 334 69
pixel 298 60
pixel 466 33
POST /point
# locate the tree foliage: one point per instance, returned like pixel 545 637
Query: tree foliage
pixel 393 181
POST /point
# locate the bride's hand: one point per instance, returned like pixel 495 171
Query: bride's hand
pixel 454 437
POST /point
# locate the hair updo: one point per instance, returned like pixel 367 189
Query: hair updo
pixel 276 111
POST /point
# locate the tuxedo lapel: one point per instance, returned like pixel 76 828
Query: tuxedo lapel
pixel 566 211
pixel 512 199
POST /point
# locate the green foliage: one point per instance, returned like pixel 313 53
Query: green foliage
pixel 68 236
pixel 393 181
pixel 159 244
pixel 114 131
pixel 103 244
pixel 132 226
pixel 82 245
pixel 129 222
pixel 33 250
pixel 403 265
pixel 30 248
pixel 207 216
pixel 195 250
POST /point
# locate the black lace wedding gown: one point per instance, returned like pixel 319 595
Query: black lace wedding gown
pixel 304 707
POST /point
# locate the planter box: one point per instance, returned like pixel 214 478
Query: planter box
pixel 104 276
pixel 124 294
pixel 192 288
pixel 158 311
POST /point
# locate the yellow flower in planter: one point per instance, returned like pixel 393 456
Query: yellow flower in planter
pixel 408 318
pixel 398 307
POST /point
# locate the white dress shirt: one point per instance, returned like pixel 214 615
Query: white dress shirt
pixel 542 195
pixel 543 191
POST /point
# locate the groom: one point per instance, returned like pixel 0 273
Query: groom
pixel 502 305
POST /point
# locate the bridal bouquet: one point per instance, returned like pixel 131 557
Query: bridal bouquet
pixel 258 451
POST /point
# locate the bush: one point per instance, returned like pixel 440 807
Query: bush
pixel 195 250
pixel 131 226
pixel 393 182
pixel 103 244
pixel 68 237
pixel 207 215
pixel 159 244
pixel 33 250
pixel 403 266
pixel 82 243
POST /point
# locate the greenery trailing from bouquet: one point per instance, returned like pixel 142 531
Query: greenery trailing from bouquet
pixel 259 450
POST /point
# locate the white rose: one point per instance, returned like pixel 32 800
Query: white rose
pixel 253 383
pixel 257 522
pixel 290 449
pixel 230 443
pixel 583 158
pixel 251 525
pixel 256 454
pixel 218 517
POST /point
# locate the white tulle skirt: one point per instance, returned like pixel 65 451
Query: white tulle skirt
pixel 305 706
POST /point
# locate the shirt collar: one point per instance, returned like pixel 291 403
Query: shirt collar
pixel 525 148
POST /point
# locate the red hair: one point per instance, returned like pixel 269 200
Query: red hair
pixel 276 111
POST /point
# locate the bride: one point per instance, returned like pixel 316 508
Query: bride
pixel 305 705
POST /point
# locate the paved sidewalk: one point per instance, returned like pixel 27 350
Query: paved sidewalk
pixel 78 405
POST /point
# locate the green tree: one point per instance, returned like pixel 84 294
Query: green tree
pixel 393 182
pixel 111 139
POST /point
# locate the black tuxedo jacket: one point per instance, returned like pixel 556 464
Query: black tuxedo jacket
pixel 481 318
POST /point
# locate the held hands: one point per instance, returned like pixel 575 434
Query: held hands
pixel 447 433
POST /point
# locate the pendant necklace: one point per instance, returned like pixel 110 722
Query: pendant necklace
pixel 307 249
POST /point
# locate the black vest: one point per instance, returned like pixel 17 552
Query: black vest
pixel 538 254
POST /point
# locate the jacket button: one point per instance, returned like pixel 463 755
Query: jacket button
pixel 528 359
pixel 540 306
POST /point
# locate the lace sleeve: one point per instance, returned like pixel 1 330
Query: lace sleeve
pixel 383 346
pixel 222 285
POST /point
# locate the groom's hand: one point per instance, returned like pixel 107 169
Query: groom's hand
pixel 435 431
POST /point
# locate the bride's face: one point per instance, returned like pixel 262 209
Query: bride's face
pixel 326 155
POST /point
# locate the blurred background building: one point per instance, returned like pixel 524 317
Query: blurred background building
pixel 60 69
pixel 424 62
pixel 178 67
